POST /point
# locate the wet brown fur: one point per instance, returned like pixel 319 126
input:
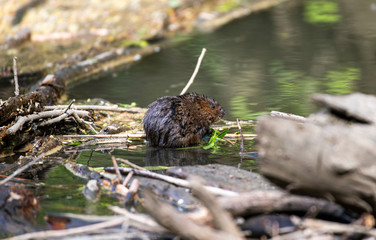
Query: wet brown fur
pixel 180 121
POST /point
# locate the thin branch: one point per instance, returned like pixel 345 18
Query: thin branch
pixel 132 135
pixel 99 108
pixel 70 231
pixel 141 221
pixel 221 218
pixel 241 136
pixel 179 223
pixel 70 104
pixel 244 136
pixel 116 169
pixel 55 120
pixel 195 72
pixel 323 226
pixel 20 170
pixel 127 178
pixel 261 201
pixel 22 120
pixel 83 122
pixel 288 116
pixel 229 141
pixel 173 180
pixel 135 166
pixel 16 87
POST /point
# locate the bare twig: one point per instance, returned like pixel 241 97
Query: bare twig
pixel 127 178
pixel 173 180
pixel 229 141
pixel 222 219
pixel 22 120
pixel 132 135
pixel 245 136
pixel 70 104
pixel 241 136
pixel 195 72
pixel 135 185
pixel 83 122
pixel 70 231
pixel 94 107
pixel 20 170
pixel 261 201
pixel 116 169
pixel 17 90
pixel 288 116
pixel 142 135
pixel 55 120
pixel 135 166
pixel 332 227
pixel 179 223
pixel 141 221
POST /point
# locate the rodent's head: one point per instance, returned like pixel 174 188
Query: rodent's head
pixel 210 108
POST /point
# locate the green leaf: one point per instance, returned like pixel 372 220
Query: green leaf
pixel 75 143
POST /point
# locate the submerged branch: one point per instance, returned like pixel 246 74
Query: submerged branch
pixel 20 170
pixel 173 180
pixel 71 231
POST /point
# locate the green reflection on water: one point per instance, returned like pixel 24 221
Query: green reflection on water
pixel 342 82
pixel 63 194
pixel 294 88
pixel 240 108
pixel 322 11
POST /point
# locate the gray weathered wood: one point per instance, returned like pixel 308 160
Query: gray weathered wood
pixel 335 162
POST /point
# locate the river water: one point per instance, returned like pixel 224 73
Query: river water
pixel 272 60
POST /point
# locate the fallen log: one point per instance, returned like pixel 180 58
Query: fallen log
pixel 333 162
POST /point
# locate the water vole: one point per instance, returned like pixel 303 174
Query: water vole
pixel 180 121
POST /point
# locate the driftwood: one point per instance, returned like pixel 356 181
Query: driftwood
pixel 357 106
pixel 263 202
pixel 221 218
pixel 172 180
pixel 333 162
pixel 176 222
pixel 47 93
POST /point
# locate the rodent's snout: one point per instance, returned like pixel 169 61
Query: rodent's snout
pixel 222 112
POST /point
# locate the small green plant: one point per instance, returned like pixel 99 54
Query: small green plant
pixel 135 43
pixel 132 104
pixel 215 137
pixel 153 168
pixel 77 143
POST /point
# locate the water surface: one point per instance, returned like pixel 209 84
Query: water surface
pixel 273 60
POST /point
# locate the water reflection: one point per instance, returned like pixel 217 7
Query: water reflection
pixel 176 157
pixel 269 60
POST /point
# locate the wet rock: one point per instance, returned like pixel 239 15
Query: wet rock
pixel 18 209
pixel 226 177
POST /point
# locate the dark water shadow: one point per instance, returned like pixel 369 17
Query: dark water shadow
pixel 176 157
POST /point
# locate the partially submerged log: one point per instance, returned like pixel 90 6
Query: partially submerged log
pixel 332 161
pixel 48 92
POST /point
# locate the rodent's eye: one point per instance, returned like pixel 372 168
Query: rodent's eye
pixel 212 106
